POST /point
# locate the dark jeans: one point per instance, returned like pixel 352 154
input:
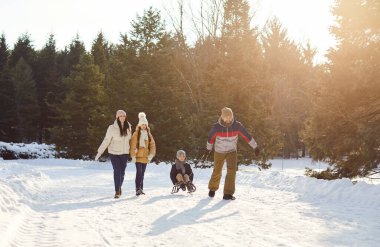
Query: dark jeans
pixel 119 163
pixel 140 171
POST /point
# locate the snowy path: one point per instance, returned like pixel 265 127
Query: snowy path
pixel 69 203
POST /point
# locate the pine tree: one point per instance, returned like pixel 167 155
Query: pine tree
pixel 287 74
pixel 70 56
pixel 147 32
pixel 238 81
pixel 27 110
pixel 100 52
pixel 236 20
pixel 23 48
pixel 122 71
pixel 7 104
pixel 154 84
pixel 48 80
pixel 82 114
pixel 4 52
pixel 344 126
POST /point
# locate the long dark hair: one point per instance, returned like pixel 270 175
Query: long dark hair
pixel 138 129
pixel 123 128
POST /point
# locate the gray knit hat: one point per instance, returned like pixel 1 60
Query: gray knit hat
pixel 180 152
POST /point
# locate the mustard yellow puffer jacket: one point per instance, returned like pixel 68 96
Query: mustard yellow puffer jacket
pixel 142 153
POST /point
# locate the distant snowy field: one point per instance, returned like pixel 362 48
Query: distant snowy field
pixel 60 202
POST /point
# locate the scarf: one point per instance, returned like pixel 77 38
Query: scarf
pixel 143 138
pixel 180 165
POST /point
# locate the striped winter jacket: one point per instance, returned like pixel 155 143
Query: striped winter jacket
pixel 224 138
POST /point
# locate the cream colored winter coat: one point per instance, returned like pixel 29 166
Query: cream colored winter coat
pixel 115 143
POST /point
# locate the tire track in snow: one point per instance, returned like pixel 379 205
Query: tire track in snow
pixel 38 229
pixel 28 226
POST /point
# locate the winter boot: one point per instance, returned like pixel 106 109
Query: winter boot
pixel 190 187
pixel 211 193
pixel 139 192
pixel 228 197
pixel 182 185
pixel 117 194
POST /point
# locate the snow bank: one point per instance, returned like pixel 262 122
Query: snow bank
pixel 311 189
pixel 26 151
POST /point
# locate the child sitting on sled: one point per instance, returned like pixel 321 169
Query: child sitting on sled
pixel 181 174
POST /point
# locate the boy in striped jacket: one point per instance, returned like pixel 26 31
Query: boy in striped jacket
pixel 223 139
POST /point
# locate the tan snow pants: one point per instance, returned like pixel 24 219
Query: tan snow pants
pixel 229 183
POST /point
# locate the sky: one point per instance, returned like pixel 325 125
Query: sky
pixel 305 20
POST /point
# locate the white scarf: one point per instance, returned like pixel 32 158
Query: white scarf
pixel 143 137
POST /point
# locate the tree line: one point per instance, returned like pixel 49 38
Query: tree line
pixel 290 105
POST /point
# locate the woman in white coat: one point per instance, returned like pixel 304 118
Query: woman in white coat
pixel 117 141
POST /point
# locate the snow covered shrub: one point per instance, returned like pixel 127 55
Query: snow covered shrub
pixel 9 151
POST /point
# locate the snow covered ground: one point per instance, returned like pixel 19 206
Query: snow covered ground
pixel 60 202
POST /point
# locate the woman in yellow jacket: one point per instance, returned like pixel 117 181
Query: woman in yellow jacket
pixel 143 149
pixel 117 141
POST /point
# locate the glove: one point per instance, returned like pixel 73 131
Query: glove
pixel 150 157
pixel 209 146
pixel 257 151
pixel 134 159
pixel 97 156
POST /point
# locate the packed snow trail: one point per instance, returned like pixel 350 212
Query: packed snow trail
pixel 58 202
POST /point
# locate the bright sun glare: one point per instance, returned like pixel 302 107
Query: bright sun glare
pixel 305 20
